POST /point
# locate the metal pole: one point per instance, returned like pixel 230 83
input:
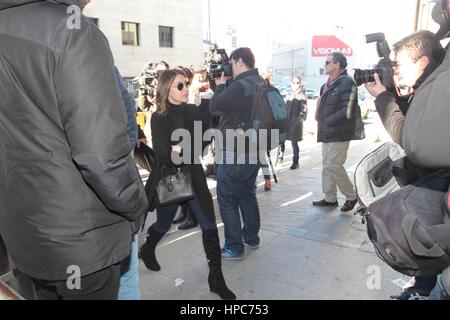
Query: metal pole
pixel 416 18
pixel 271 166
pixel 292 69
pixel 209 22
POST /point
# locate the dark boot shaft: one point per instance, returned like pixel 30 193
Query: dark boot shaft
pixel 216 281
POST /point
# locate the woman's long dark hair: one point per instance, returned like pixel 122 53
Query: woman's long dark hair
pixel 165 81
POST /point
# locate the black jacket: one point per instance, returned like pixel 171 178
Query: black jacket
pixel 179 117
pixel 233 103
pixel 333 125
pixel 70 193
pixel 297 111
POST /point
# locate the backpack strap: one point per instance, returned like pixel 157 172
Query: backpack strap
pixel 248 85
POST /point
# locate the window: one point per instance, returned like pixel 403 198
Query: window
pixel 130 33
pixel 94 21
pixel 165 37
pixel 322 71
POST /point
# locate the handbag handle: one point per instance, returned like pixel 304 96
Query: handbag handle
pixel 178 170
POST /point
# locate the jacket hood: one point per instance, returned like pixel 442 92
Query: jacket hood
pixel 5 4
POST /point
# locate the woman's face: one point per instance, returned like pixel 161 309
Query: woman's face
pixel 179 92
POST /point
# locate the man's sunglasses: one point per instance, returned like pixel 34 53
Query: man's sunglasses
pixel 180 86
pixel 328 62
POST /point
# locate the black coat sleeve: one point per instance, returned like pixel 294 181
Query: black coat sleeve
pixel 161 140
pixel 391 115
pixel 94 119
pixel 227 99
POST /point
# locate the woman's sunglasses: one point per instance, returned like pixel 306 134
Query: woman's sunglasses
pixel 180 86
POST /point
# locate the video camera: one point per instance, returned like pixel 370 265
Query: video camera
pixel 147 80
pixel 217 61
pixel 384 67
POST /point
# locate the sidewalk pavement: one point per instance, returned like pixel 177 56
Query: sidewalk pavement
pixel 305 252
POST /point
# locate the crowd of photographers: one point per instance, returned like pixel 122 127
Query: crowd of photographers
pixel 81 161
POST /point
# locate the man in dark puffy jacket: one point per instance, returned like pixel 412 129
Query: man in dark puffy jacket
pixel 336 130
pixel 71 196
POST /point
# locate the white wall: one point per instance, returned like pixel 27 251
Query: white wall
pixel 185 16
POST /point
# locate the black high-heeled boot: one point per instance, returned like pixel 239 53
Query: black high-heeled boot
pixel 216 281
pixel 147 252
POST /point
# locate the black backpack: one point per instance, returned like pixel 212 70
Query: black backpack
pixel 268 112
pixel 410 228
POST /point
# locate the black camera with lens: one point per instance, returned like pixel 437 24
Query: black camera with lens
pixel 384 68
pixel 217 62
pixel 147 79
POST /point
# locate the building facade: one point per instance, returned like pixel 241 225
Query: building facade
pixel 143 31
pixel 306 59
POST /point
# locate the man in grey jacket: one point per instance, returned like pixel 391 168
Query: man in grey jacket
pixel 421 132
pixel 71 196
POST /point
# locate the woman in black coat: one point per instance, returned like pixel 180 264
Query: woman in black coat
pixel 297 110
pixel 173 113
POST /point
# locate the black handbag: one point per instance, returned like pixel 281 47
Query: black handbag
pixel 175 187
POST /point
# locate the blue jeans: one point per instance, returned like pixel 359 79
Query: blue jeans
pixel 129 275
pixel 236 190
pixel 438 293
pixel 295 149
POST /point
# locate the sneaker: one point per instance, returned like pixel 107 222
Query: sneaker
pixel 268 185
pixel 254 247
pixel 349 205
pixel 227 254
pixel 412 293
pixel 324 203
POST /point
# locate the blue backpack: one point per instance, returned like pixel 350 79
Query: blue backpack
pixel 268 112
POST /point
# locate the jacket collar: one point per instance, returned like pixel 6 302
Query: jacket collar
pixel 251 72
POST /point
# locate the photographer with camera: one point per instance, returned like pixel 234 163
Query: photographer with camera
pixel 416 57
pixel 236 182
pixel 148 83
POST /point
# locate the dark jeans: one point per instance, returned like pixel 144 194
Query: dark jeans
pixel 100 285
pixel 295 149
pixel 165 215
pixel 236 190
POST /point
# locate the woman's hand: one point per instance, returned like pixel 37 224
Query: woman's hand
pixel 176 148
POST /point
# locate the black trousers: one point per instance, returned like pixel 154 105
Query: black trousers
pixel 100 285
